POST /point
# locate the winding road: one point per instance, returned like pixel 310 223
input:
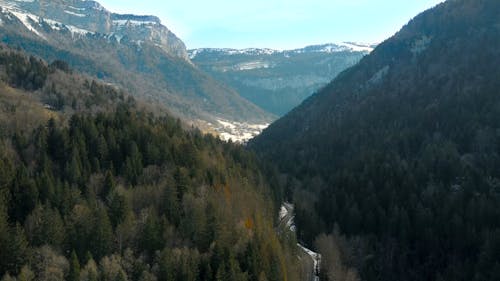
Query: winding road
pixel 287 222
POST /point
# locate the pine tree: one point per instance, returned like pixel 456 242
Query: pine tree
pixel 4 237
pixel 74 167
pixel 17 247
pixel 101 242
pixel 118 209
pixel 74 268
pixel 24 195
pixel 109 185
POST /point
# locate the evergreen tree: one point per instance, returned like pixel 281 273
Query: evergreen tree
pixel 101 243
pixel 74 268
pixel 17 250
pixel 118 209
pixel 108 186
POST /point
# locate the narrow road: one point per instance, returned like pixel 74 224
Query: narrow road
pixel 287 222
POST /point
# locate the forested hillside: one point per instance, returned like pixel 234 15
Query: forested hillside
pixel 397 161
pixel 95 186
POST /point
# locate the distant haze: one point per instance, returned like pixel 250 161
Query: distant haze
pixel 280 24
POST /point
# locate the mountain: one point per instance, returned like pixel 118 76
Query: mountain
pixel 277 81
pixel 396 160
pixel 90 17
pixel 134 52
pixel 95 185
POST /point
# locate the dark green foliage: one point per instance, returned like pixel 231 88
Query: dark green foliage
pixel 402 151
pixel 16 250
pixel 141 205
pixel 74 268
pixel 61 65
pixel 118 208
pixel 24 195
pixel 101 243
pixel 28 73
pixel 44 226
pixel 108 186
pixel 127 194
pixel 4 235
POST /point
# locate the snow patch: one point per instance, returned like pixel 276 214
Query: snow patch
pixel 77 9
pixel 54 25
pixel 74 14
pixel 283 212
pixel 239 132
pixel 357 47
pixel 26 20
pixel 232 52
pixel 132 22
pixel 77 31
pixel 117 37
pixel 252 65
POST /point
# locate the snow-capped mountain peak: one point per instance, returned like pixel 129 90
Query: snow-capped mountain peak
pixel 89 17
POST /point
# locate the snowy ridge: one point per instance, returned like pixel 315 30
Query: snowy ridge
pixel 32 22
pixel 337 47
pixel 27 20
pixel 326 48
pixel 82 17
pixel 133 22
pixel 77 9
pixel 229 51
pixel 74 14
pixel 358 47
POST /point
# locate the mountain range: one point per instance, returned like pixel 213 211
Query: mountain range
pixel 136 53
pixel 275 80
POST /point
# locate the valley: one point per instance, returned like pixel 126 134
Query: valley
pixel 130 154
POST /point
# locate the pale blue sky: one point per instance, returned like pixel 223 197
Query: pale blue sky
pixel 280 24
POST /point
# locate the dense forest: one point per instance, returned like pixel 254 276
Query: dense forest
pixel 394 166
pixel 94 186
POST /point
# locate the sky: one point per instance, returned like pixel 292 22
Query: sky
pixel 277 24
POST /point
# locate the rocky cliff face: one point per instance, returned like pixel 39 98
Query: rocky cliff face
pixel 93 17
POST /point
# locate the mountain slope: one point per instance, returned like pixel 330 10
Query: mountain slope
pixel 134 52
pixel 400 153
pixel 96 186
pixel 277 81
